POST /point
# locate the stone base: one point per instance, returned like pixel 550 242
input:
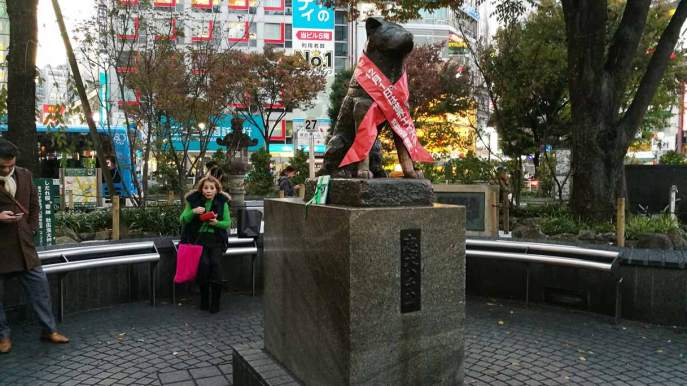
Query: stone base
pixel 255 367
pixel 365 296
pixel 380 192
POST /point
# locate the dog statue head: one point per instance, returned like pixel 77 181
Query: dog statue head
pixel 387 39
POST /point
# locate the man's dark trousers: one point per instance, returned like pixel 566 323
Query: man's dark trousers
pixel 37 289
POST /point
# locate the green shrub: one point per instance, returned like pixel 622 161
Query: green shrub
pixel 160 220
pixel 432 173
pixel 562 223
pixel 260 181
pixel 300 163
pixel 546 210
pixel 603 227
pixel 84 222
pixel 661 223
pixel 672 158
pixel 469 170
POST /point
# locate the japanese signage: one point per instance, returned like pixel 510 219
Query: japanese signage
pixel 223 128
pixel 317 128
pixel 456 45
pixel 48 203
pixel 313 33
pixel 81 188
pixel 52 114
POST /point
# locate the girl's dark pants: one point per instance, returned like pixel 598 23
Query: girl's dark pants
pixel 209 276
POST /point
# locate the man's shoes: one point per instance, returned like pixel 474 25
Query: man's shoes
pixel 5 345
pixel 55 337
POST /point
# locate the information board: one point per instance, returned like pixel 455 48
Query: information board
pixel 48 204
pixel 83 185
pixel 474 203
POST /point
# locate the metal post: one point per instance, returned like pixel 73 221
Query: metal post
pixel 527 285
pixel 252 273
pixel 620 222
pixel 618 299
pixel 60 297
pixel 673 197
pixel 115 217
pixel 70 199
pixel 311 156
pixel 152 268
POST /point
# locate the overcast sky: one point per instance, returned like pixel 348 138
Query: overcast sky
pixel 50 46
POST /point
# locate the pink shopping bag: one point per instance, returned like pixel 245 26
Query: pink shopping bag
pixel 188 257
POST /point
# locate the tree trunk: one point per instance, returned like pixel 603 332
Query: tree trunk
pixel 598 78
pixel 85 105
pixel 21 81
pixel 597 148
pixel 598 176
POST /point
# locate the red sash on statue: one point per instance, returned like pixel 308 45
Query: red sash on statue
pixel 389 104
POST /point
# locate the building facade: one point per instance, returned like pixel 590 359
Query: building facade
pixel 303 26
pixel 324 37
pixel 4 43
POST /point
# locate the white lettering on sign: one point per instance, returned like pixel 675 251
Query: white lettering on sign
pixel 315 35
pixel 322 16
pixel 305 5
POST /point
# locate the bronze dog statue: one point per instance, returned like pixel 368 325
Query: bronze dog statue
pixel 388 45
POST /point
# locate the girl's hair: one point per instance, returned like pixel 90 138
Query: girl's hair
pixel 211 179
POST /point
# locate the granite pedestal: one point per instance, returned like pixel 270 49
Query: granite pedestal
pixel 365 296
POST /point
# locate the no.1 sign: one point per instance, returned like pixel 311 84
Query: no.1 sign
pixel 313 32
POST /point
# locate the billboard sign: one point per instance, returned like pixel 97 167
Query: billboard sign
pixel 313 33
pixel 456 45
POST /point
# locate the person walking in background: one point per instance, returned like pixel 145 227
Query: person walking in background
pixel 285 184
pixel 205 221
pixel 18 222
pixel 111 163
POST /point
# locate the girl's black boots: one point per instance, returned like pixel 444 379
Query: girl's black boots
pixel 215 295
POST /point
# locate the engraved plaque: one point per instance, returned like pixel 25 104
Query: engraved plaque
pixel 411 269
pixel 474 203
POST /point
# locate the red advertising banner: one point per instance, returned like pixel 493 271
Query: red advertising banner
pixel 390 104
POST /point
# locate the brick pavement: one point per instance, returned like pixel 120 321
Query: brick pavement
pixel 506 343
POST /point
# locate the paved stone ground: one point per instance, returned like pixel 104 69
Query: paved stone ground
pixel 506 344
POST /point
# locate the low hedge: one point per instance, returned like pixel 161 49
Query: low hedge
pixel 161 220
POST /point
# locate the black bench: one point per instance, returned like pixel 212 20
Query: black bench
pixel 550 254
pixel 64 260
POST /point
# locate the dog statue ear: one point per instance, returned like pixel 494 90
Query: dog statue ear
pixel 372 23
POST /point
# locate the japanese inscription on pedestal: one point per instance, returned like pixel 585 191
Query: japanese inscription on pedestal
pixel 411 269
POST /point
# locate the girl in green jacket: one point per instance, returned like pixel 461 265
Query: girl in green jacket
pixel 205 221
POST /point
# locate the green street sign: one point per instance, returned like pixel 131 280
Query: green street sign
pixel 48 204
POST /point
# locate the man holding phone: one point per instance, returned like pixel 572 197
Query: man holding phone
pixel 18 222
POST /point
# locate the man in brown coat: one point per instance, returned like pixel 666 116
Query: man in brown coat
pixel 18 222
